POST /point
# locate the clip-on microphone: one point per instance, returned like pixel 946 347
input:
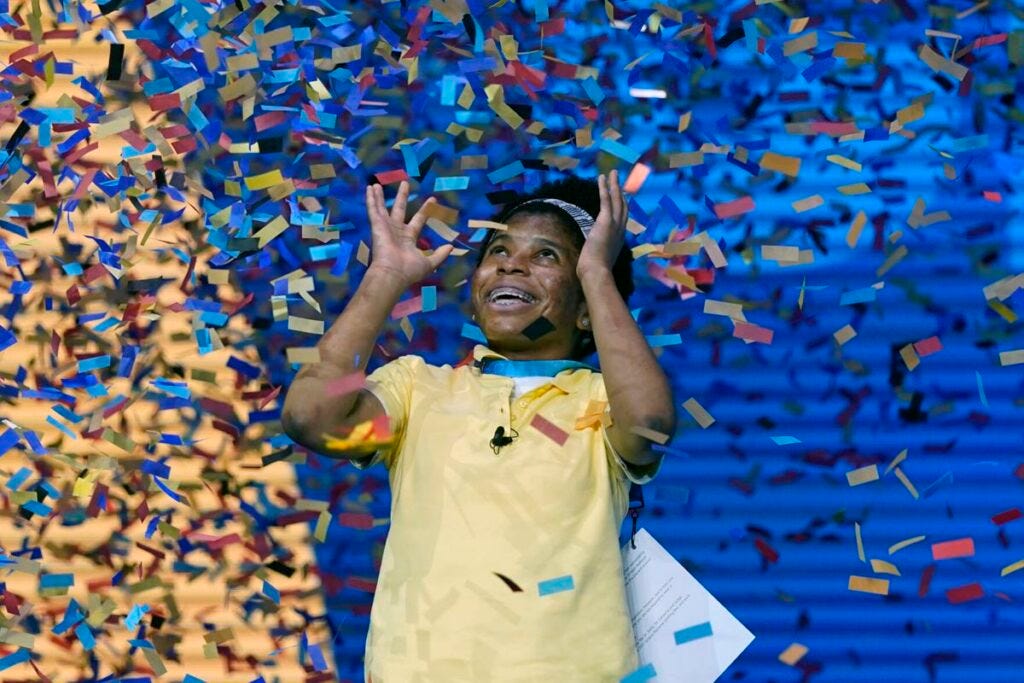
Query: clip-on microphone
pixel 499 440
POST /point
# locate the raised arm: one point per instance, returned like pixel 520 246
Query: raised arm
pixel 397 263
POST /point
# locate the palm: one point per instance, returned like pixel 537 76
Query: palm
pixel 394 240
pixel 607 237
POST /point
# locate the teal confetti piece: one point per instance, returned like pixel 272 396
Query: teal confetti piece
pixel 656 340
pixel 271 592
pixel 785 440
pixel 189 678
pixel 620 150
pixel 56 580
pixel 556 585
pixel 18 478
pixel 981 389
pixel 693 633
pixel 95 363
pixel 131 622
pixel 644 673
pixel 471 331
pixel 451 183
pixel 593 91
pixel 429 295
pixel 500 175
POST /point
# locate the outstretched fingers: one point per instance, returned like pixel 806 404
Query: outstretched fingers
pixel 401 203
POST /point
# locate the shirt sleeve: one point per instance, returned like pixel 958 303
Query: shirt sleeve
pixel 392 384
pixel 638 474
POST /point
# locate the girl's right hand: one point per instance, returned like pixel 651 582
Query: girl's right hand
pixel 394 249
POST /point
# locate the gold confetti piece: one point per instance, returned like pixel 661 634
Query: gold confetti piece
pixel 840 160
pixel 854 189
pixel 1004 288
pixel 896 547
pixel 939 63
pixel 771 252
pixel 909 356
pixel 303 355
pixel 860 541
pixel 853 234
pixel 781 163
pixel 697 412
pixel 895 257
pixel 808 203
pixel 801 44
pixel 650 434
pixel 906 482
pixel 862 475
pixel 363 253
pixel 846 50
pixel 866 584
pixel 844 334
pixel 900 457
pixel 218 276
pixel 798 25
pixel 264 180
pixel 684 159
pixel 1011 568
pixel 793 654
pixel 726 308
pixel 918 219
pixel 1011 357
pixel 883 567
pixel 684 121
pixel 307 325
pixel 323 521
pixel 472 162
pixel 713 251
pixel 406 328
pixel 271 230
pixel 910 113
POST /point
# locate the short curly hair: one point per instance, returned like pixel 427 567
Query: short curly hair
pixel 584 194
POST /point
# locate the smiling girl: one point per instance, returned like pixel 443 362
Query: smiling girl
pixel 509 472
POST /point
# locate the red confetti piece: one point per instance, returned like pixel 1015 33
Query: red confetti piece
pixel 752 332
pixel 361 584
pixel 927 347
pixel 926 580
pixel 1008 516
pixel 769 553
pixel 948 550
pixel 550 430
pixel 389 177
pixel 971 591
pixel 734 208
pixel 992 196
pixel 355 520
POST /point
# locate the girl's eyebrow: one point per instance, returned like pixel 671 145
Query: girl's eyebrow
pixel 542 240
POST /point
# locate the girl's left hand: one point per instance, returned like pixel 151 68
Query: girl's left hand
pixel 608 235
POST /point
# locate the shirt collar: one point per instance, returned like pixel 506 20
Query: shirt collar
pixel 566 379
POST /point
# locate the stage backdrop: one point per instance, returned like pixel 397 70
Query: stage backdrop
pixel 828 246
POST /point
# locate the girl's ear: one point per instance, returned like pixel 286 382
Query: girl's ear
pixel 583 316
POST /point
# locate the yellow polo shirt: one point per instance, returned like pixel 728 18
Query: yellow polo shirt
pixel 545 515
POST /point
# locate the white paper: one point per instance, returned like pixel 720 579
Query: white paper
pixel 664 599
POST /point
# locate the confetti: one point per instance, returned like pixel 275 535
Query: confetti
pixel 865 584
pixel 793 654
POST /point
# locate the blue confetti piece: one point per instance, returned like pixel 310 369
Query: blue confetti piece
pixel 7 338
pixel 271 592
pixel 189 678
pixel 858 296
pixel 693 633
pixel 785 440
pixel 19 657
pixel 556 585
pixel 135 616
pixel 981 389
pixel 316 656
pixel 644 673
pixel 95 363
pixel 593 90
pixel 8 440
pixel 85 636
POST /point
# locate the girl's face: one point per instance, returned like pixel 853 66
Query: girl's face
pixel 529 272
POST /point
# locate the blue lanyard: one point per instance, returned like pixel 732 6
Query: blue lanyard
pixel 529 368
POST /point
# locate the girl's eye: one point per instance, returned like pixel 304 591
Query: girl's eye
pixel 494 249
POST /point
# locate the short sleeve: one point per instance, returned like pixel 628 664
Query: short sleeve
pixel 638 474
pixel 392 384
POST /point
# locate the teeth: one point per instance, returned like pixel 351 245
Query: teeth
pixel 510 291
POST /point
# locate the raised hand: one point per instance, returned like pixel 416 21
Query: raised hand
pixel 394 249
pixel 609 232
